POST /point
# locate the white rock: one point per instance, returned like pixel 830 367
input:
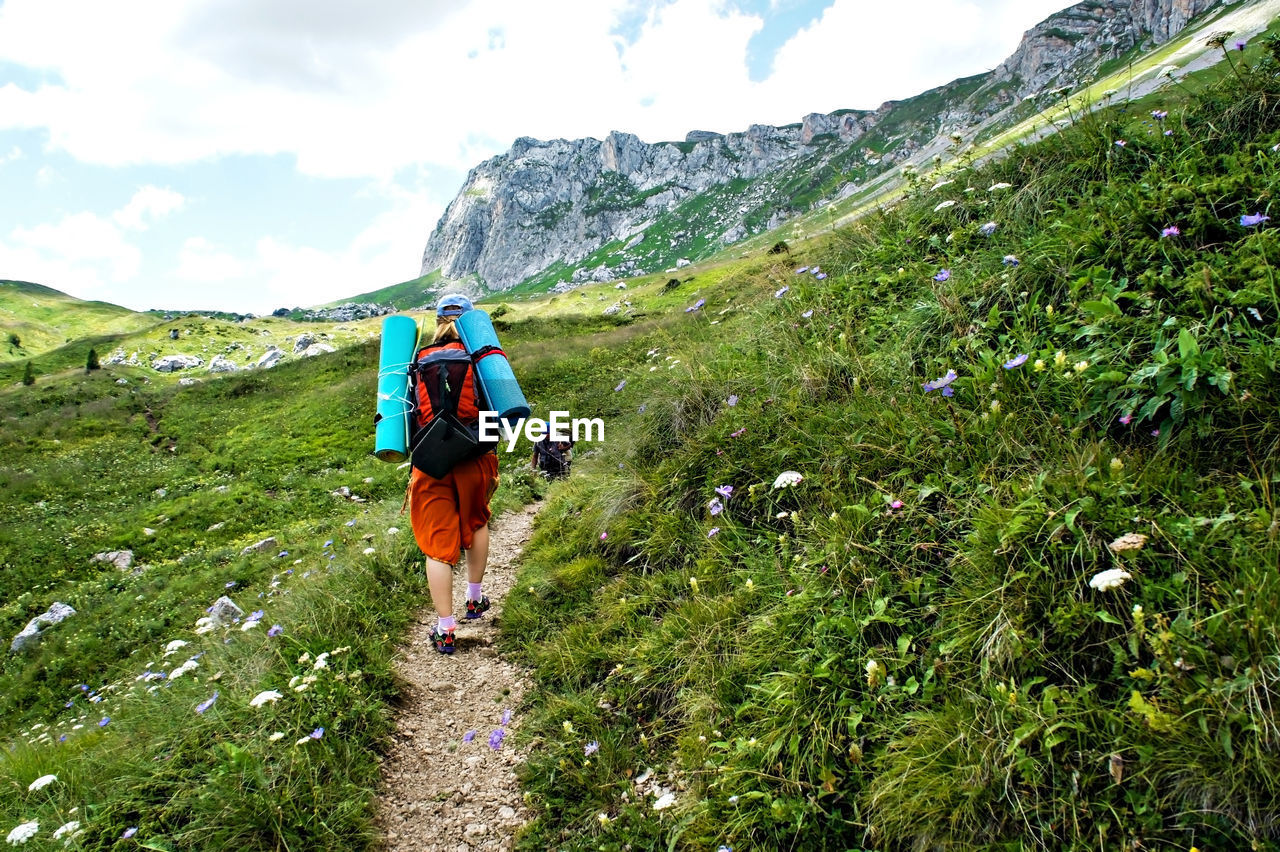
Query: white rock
pixel 261 547
pixel 173 363
pixel 56 614
pixel 224 611
pixel 122 559
pixel 222 364
pixel 270 358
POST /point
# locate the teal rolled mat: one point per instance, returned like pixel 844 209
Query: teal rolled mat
pixel 391 423
pixel 497 381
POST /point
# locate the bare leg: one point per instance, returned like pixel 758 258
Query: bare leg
pixel 478 555
pixel 440 580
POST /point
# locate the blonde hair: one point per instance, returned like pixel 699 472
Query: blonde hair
pixel 445 330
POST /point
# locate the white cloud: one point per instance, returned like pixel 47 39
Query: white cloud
pixel 202 262
pixel 15 153
pixel 148 202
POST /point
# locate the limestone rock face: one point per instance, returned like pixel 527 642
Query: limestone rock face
pixel 30 634
pixel 618 200
pixel 222 364
pixel 174 363
pixel 270 358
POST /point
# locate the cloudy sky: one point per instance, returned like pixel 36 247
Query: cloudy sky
pixel 246 155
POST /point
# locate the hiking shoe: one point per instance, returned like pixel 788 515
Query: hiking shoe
pixel 475 609
pixel 442 641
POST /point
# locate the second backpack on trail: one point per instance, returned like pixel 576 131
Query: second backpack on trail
pixel 447 405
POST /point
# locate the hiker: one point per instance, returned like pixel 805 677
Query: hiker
pixel 452 511
pixel 552 458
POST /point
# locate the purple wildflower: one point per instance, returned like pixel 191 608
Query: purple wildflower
pixel 942 382
pixel 896 504
pixel 495 739
pixel 1168 133
pixel 329 543
pixel 282 554
pixel 715 506
pixel 1240 45
pixel 129 832
pixel 988 229
pixel 782 291
pixel 231 584
pixel 738 434
pixel 1120 143
pixel 1155 433
pixel 275 630
pixel 1159 114
pixel 714 531
pixel 317 733
pixel 802 270
pixel 603 536
pixel 1171 231
pixel 350 523
pixel 942 275
pixel 1252 220
pixel 1126 419
pixel 642 407
pixel 70 704
pixel 106 720
pixel 622 384
pixel 205 705
pixel 256 615
pixel 590 748
pixel 807 313
pixel 468 736
pixel 1016 361
pixel 724 490
pixel 506 717
pixel 733 399
pixel 1010 260
pixel 948 392
pixel 820 276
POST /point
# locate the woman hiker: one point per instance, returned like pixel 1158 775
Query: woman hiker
pixel 452 512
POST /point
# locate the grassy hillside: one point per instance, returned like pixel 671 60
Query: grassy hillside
pixel 1022 592
pixel 41 318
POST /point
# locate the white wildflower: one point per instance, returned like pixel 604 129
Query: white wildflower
pixel 787 478
pixel 666 801
pixel 42 781
pixel 278 735
pixel 269 696
pixel 943 205
pixel 940 184
pixel 996 187
pixel 66 828
pixel 322 661
pixel 23 833
pixel 1112 578
pixel 176 644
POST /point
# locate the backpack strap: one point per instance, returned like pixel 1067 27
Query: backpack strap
pixel 485 351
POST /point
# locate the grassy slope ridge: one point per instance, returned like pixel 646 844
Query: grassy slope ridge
pixel 904 650
pixel 44 319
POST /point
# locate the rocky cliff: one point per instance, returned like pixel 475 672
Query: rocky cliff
pixel 563 212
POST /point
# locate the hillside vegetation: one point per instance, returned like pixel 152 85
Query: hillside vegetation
pixel 836 579
pixel 1021 589
pixel 35 319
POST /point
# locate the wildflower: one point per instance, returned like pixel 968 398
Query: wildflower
pixel 305 658
pixel 367 551
pixel 1171 231
pixel 1116 465
pixel 943 205
pixel 713 532
pixel 1240 45
pixel 802 270
pixel 724 491
pixel 738 434
pixel 269 696
pixel 469 736
pixel 782 291
pixel 622 384
pixel 1016 361
pixel 941 382
pixel 495 739
pixel 1159 114
pixel 820 276
pixel 1010 260
pixel 807 313
pixel 329 543
pixel 940 184
pixel 733 800
pixel 1048 310
pixel 996 187
pixel 988 229
pixel 205 705
pixel 995 405
pixel 604 818
pixel 231 584
pixel 665 801
pixel 1127 542
pixel 693 584
pixel 732 400
pixel 41 782
pixel 603 536
pixel 66 828
pixel 787 479
pixel 104 721
pixel 322 661
pixel 567 725
pixel 1059 359
pixel 275 630
pixel 1081 366
pixel 1112 578
pixel 350 523
pixel 942 275
pixel 590 748
pixel 1253 220
pixel 129 832
pixel 875 673
pixel 1125 419
pixel 173 646
pixel 248 625
pixel 715 506
pixel 750 584
pixel 1120 143
pixel 1155 433
pixel 276 737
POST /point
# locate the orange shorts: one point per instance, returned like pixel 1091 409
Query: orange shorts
pixel 445 513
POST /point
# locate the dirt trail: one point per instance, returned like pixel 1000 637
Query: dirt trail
pixel 441 793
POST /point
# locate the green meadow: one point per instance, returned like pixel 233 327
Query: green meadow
pixel 952 529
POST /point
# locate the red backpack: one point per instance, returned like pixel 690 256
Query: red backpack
pixel 447 405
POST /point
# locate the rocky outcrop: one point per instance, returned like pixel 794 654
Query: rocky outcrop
pixel 174 363
pixel 349 312
pixel 617 201
pixel 222 364
pixel 30 634
pixel 122 559
pixel 270 358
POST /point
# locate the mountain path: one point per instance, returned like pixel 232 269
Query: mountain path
pixel 439 793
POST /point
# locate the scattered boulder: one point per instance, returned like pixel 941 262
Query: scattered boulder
pixel 214 527
pixel 186 380
pixel 317 349
pixel 222 364
pixel 173 363
pixel 173 334
pixel 114 358
pixel 224 612
pixel 122 559
pixel 301 344
pixel 270 358
pixel 682 262
pixel 261 547
pixel 612 309
pixel 30 634
pixel 122 381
